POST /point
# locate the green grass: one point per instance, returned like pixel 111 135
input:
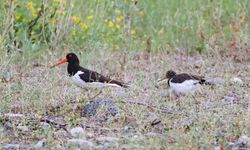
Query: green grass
pixel 216 33
pixel 182 25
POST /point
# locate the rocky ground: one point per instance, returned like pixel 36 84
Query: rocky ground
pixel 42 109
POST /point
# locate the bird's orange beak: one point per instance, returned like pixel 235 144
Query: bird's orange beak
pixel 60 62
pixel 162 78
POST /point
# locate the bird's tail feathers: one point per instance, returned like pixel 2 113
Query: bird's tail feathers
pixel 214 81
pixel 122 84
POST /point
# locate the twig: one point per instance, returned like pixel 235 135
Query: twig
pixel 155 122
pixel 99 128
pixel 54 123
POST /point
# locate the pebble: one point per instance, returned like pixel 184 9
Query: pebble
pixel 187 123
pixel 11 115
pixel 60 134
pixel 215 81
pixel 10 146
pixel 40 144
pixel 229 99
pixel 77 132
pixel 22 128
pixel 91 109
pixel 237 80
pixel 242 143
pixel 44 125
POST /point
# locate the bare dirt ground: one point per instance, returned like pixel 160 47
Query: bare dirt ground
pixel 40 106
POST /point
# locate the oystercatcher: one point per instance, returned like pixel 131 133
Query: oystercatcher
pixel 85 78
pixel 182 83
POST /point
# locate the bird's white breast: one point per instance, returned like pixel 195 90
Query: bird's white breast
pixel 184 87
pixel 77 79
pixel 81 83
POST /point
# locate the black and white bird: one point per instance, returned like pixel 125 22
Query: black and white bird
pixel 182 83
pixel 85 78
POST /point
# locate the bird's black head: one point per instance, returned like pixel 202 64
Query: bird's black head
pixel 167 76
pixel 170 73
pixel 72 58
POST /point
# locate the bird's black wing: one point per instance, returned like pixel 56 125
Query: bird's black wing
pixel 183 77
pixel 92 76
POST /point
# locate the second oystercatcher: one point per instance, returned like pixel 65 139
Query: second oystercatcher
pixel 182 83
pixel 85 78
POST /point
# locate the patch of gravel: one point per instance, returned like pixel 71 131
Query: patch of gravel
pixel 242 143
pixel 92 108
pixel 78 132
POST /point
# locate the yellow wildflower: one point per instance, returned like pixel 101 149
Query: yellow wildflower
pixel 34 14
pixel 83 26
pixel 63 13
pixel 30 5
pixel 118 19
pixel 141 13
pixel 57 11
pixel 90 18
pixel 118 27
pixel 111 24
pixel 122 17
pixel 76 19
pixel 57 1
pixel 132 32
pixel 18 17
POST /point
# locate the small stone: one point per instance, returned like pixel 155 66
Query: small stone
pixel 229 99
pixel 22 128
pixel 92 108
pixel 242 143
pixel 187 123
pixel 13 116
pixel 215 81
pixel 128 129
pixel 237 80
pixel 10 146
pixel 244 140
pixel 90 135
pixel 81 143
pixel 45 125
pixel 1 129
pixel 77 132
pixel 40 144
pixel 60 134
